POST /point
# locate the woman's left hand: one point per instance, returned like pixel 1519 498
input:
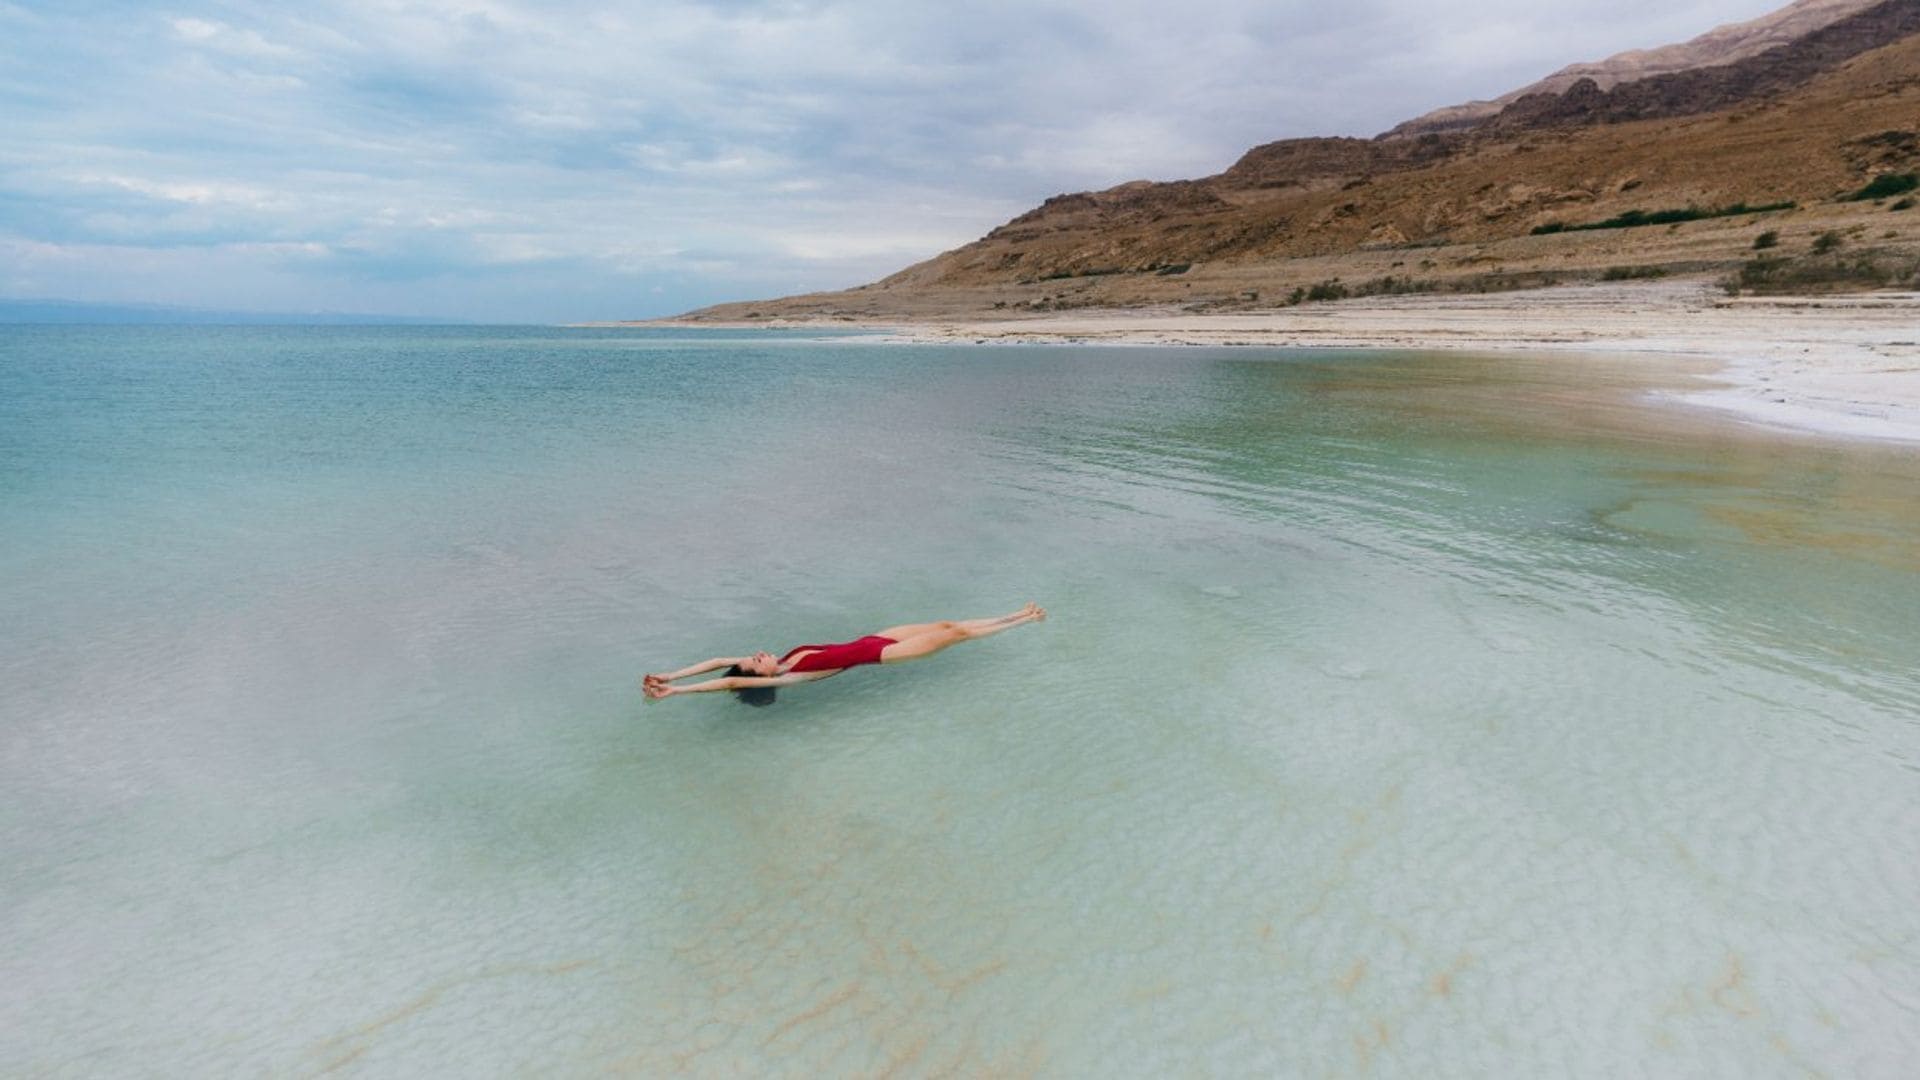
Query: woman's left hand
pixel 655 691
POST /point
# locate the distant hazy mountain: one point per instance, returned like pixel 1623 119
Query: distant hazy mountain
pixel 76 312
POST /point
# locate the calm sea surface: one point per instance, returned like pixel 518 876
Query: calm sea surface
pixel 1399 715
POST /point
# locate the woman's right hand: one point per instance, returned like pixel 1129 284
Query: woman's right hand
pixel 657 691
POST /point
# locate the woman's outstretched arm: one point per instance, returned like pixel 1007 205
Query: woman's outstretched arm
pixel 658 691
pixel 700 668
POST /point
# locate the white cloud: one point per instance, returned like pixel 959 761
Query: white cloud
pixel 196 194
pixel 835 246
pixel 218 35
pixel 196 29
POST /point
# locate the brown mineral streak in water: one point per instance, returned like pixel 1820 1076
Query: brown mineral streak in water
pixel 349 1046
pixel 1856 513
pixel 1531 401
pixel 1556 398
pixel 1801 528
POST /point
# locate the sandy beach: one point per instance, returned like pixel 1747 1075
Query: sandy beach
pixel 1842 365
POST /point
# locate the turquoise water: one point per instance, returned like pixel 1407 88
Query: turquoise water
pixel 1398 715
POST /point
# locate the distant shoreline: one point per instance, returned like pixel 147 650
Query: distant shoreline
pixel 1846 365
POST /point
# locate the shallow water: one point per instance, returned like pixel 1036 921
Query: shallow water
pixel 1398 714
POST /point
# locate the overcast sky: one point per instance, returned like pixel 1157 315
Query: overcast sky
pixel 554 161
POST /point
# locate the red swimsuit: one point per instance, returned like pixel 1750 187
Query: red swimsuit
pixel 836 657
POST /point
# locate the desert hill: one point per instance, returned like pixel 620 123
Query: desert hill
pixel 1793 130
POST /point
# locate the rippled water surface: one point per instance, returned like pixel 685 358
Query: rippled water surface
pixel 1400 715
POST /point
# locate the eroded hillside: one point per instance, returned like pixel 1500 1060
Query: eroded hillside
pixel 1804 123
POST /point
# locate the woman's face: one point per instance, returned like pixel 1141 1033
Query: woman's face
pixel 761 663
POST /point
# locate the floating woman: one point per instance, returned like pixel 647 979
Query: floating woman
pixel 755 678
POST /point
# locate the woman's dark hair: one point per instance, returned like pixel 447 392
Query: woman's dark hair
pixel 752 695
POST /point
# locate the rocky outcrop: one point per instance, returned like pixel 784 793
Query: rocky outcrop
pixel 1724 45
pixel 1141 202
pixel 1296 162
pixel 1711 89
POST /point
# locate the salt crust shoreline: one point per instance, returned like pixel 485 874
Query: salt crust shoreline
pixel 1846 366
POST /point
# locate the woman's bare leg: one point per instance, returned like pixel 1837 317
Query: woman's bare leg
pixel 945 635
pixel 902 633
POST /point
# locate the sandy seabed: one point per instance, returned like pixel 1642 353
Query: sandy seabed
pixel 1842 365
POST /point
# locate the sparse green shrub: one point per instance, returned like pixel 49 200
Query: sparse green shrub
pixel 1327 290
pixel 1826 242
pixel 1761 271
pixel 1096 271
pixel 1393 286
pixel 1770 238
pixel 1296 297
pixel 1634 219
pixel 1814 274
pixel 1632 273
pixel 1885 186
pixel 1903 204
pixel 1736 209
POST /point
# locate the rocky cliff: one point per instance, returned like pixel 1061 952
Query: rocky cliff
pixel 1724 45
pixel 1722 86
